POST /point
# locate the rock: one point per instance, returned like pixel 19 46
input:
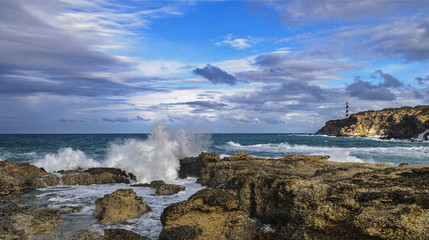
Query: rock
pixel 181 233
pixel 27 222
pixel 16 178
pixel 161 187
pixel 191 166
pixel 119 205
pixel 89 235
pixel 208 214
pixel 169 189
pixel 306 197
pixel 122 234
pixel 95 176
pixel 399 123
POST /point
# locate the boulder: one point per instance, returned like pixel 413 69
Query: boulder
pixel 208 214
pixel 119 205
pixel 161 187
pixel 122 234
pixel 16 178
pixel 95 176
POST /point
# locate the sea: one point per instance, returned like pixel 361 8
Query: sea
pixel 155 156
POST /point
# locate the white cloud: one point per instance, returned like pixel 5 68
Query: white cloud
pixel 237 43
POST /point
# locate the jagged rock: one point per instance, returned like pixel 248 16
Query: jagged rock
pixel 95 176
pixel 122 234
pixel 399 123
pixel 16 178
pixel 191 166
pixel 308 197
pixel 208 214
pixel 119 205
pixel 23 222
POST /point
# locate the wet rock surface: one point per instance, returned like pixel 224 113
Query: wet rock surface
pixel 122 234
pixel 17 178
pixel 304 197
pixel 27 222
pixel 96 176
pixel 119 205
pixel 161 187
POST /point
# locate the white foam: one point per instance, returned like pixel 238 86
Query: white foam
pixel 66 159
pixel 157 157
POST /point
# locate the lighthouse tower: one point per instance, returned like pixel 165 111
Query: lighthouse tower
pixel 347 109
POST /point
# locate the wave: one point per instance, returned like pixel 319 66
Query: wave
pixel 338 154
pixel 152 159
pixel 66 159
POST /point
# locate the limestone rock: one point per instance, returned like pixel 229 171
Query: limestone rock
pixel 89 235
pixel 16 178
pixel 399 123
pixel 307 197
pixel 122 234
pixel 208 214
pixel 95 176
pixel 119 205
pixel 21 222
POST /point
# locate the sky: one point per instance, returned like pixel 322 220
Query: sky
pixel 99 66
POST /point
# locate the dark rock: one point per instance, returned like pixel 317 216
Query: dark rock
pixel 122 234
pixel 140 185
pixel 169 189
pixel 94 176
pixel 89 235
pixel 156 184
pixel 16 178
pixel 181 233
pixel 119 205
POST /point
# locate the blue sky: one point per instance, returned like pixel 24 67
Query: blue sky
pixel 98 66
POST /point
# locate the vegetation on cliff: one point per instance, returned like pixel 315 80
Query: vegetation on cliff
pixel 399 123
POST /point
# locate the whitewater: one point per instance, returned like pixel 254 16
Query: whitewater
pixel 156 156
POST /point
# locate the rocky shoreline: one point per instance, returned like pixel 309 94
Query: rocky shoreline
pixel 295 197
pixel 398 123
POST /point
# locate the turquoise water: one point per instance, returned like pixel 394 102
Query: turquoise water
pixel 32 148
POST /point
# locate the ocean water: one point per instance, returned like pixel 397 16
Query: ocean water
pixel 155 156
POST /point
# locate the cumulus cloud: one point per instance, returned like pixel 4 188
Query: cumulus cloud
pixel 238 43
pixel 215 75
pixel 388 80
pixel 369 91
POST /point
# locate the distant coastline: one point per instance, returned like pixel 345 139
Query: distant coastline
pixel 399 123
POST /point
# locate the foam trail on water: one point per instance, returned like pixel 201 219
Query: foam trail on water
pixel 158 156
pixel 66 159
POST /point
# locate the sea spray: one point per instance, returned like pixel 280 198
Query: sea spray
pixel 158 156
pixel 66 159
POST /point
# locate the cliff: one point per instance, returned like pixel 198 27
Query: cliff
pixel 399 123
pixel 300 197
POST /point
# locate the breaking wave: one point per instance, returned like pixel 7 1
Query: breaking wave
pixel 152 159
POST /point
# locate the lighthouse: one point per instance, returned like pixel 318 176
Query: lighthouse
pixel 347 109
